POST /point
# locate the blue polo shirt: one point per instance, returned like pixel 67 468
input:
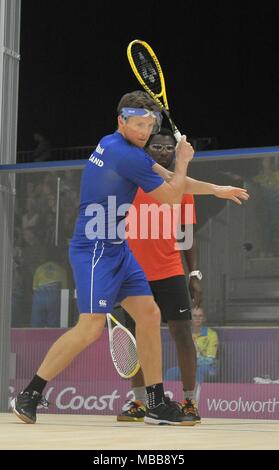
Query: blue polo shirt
pixel 109 184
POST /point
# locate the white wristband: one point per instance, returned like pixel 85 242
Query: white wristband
pixel 196 274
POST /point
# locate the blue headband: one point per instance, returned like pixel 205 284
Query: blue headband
pixel 125 113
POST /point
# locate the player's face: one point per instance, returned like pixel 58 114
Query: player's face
pixel 136 129
pixel 162 149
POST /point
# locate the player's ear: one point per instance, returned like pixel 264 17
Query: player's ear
pixel 121 121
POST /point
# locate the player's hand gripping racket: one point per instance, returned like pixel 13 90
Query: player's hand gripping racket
pixel 123 348
pixel 147 69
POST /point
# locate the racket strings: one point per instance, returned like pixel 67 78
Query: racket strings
pixel 124 351
pixel 147 68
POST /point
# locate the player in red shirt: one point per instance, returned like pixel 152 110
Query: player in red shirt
pixel 162 263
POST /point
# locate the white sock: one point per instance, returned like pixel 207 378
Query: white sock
pixel 189 394
pixel 140 394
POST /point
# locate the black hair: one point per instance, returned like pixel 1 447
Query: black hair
pixel 163 131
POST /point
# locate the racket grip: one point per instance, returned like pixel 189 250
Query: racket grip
pixel 177 135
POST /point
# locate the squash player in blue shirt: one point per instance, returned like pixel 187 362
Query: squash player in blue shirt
pixel 105 270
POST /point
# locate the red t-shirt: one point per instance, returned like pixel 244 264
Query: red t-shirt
pixel 157 256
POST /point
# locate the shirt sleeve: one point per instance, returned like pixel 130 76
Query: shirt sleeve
pixel 185 215
pixel 212 344
pixel 137 167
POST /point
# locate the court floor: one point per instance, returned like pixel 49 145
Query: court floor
pixel 53 431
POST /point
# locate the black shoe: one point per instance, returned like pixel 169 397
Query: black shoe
pixel 190 409
pixel 169 412
pixel 134 412
pixel 25 405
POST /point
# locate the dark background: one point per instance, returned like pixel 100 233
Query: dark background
pixel 219 59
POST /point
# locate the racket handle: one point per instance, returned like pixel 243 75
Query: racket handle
pixel 177 135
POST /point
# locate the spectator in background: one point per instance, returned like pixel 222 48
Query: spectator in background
pixel 45 188
pixel 50 277
pixel 42 152
pixel 30 217
pixel 206 342
pixel 31 255
pixel 32 250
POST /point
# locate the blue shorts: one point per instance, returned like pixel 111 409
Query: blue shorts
pixel 105 274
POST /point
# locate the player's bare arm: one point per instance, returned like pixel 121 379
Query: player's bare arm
pixel 233 193
pixel 197 187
